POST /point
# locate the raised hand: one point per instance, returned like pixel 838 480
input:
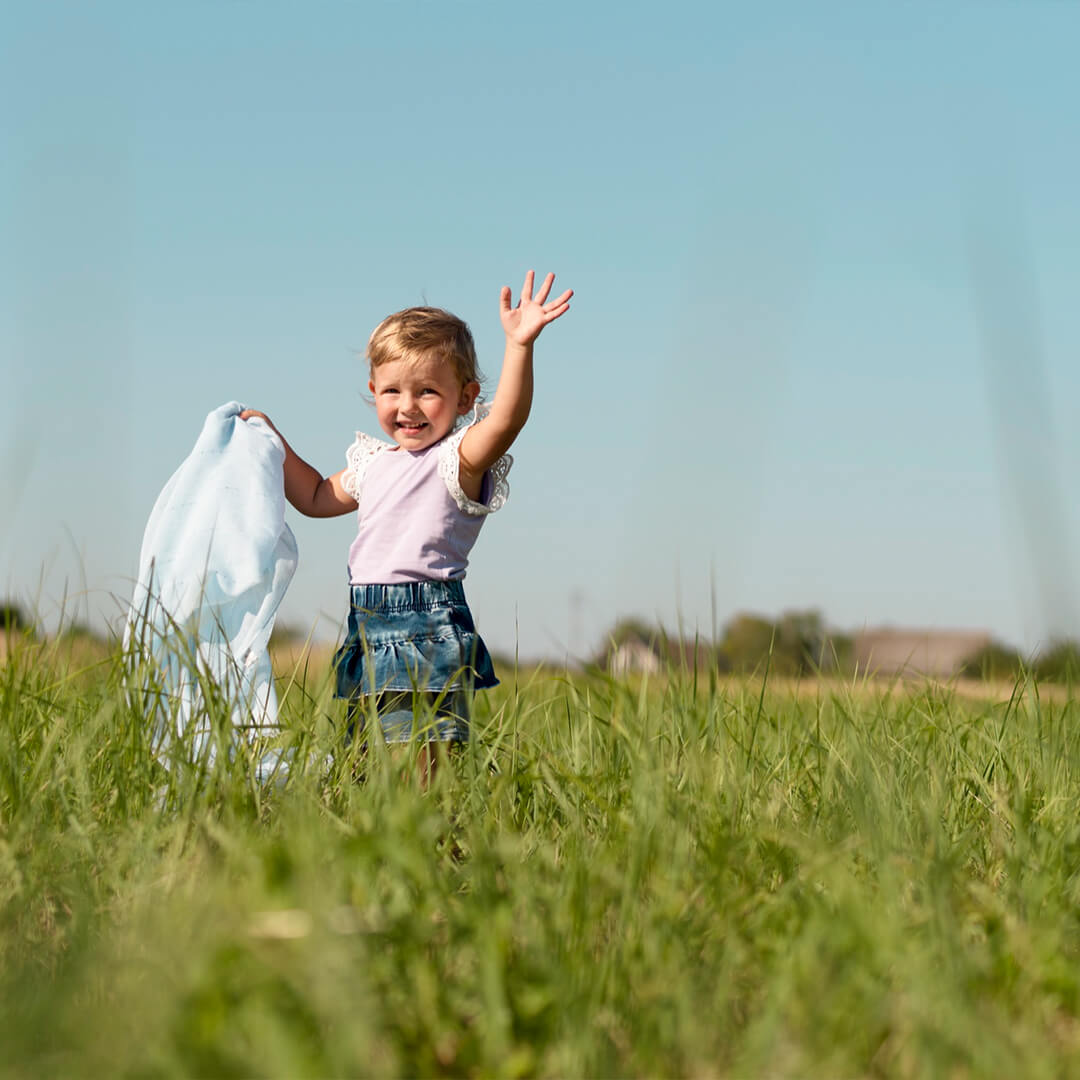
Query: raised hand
pixel 530 315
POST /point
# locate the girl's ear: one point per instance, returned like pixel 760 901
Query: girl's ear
pixel 469 393
pixel 371 386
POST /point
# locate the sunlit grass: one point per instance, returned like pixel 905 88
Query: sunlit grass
pixel 677 876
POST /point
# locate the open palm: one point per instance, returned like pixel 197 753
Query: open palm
pixel 523 322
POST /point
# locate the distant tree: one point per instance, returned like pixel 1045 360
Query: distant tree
pixel 1060 663
pixel 746 642
pixel 838 653
pixel 994 661
pixel 799 644
pixel 634 629
pixel 12 617
pixel 802 639
pixel 692 652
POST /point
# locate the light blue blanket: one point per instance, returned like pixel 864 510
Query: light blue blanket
pixel 216 560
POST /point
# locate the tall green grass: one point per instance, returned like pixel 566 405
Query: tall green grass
pixel 676 876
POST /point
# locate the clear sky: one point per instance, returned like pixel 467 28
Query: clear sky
pixel 826 257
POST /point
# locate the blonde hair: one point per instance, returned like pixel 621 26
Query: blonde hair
pixel 424 333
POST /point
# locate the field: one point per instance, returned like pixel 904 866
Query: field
pixel 679 876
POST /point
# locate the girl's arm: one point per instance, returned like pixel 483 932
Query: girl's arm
pixel 305 488
pixel 486 441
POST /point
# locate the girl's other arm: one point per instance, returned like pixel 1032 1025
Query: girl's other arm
pixel 486 441
pixel 307 490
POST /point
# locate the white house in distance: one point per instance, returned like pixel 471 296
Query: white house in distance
pixel 634 655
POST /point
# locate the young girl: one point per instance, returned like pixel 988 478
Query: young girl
pixel 412 644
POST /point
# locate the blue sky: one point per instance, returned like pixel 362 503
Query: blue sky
pixel 823 346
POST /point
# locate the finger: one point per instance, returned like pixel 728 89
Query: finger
pixel 504 299
pixel 542 295
pixel 527 288
pixel 551 316
pixel 561 300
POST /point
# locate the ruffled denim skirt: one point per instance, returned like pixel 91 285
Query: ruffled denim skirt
pixel 416 638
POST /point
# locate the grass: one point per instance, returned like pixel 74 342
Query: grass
pixel 670 877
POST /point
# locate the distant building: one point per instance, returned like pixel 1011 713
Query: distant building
pixel 937 653
pixel 633 655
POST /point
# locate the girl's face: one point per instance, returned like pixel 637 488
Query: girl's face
pixel 418 403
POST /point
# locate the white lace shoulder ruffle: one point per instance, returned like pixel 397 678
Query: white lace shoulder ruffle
pixel 450 465
pixel 358 458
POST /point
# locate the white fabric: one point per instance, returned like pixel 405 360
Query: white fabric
pixel 450 471
pixel 363 451
pixel 216 560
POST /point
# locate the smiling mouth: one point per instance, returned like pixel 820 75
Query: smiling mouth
pixel 405 425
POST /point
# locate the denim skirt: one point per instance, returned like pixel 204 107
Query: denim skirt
pixel 416 638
